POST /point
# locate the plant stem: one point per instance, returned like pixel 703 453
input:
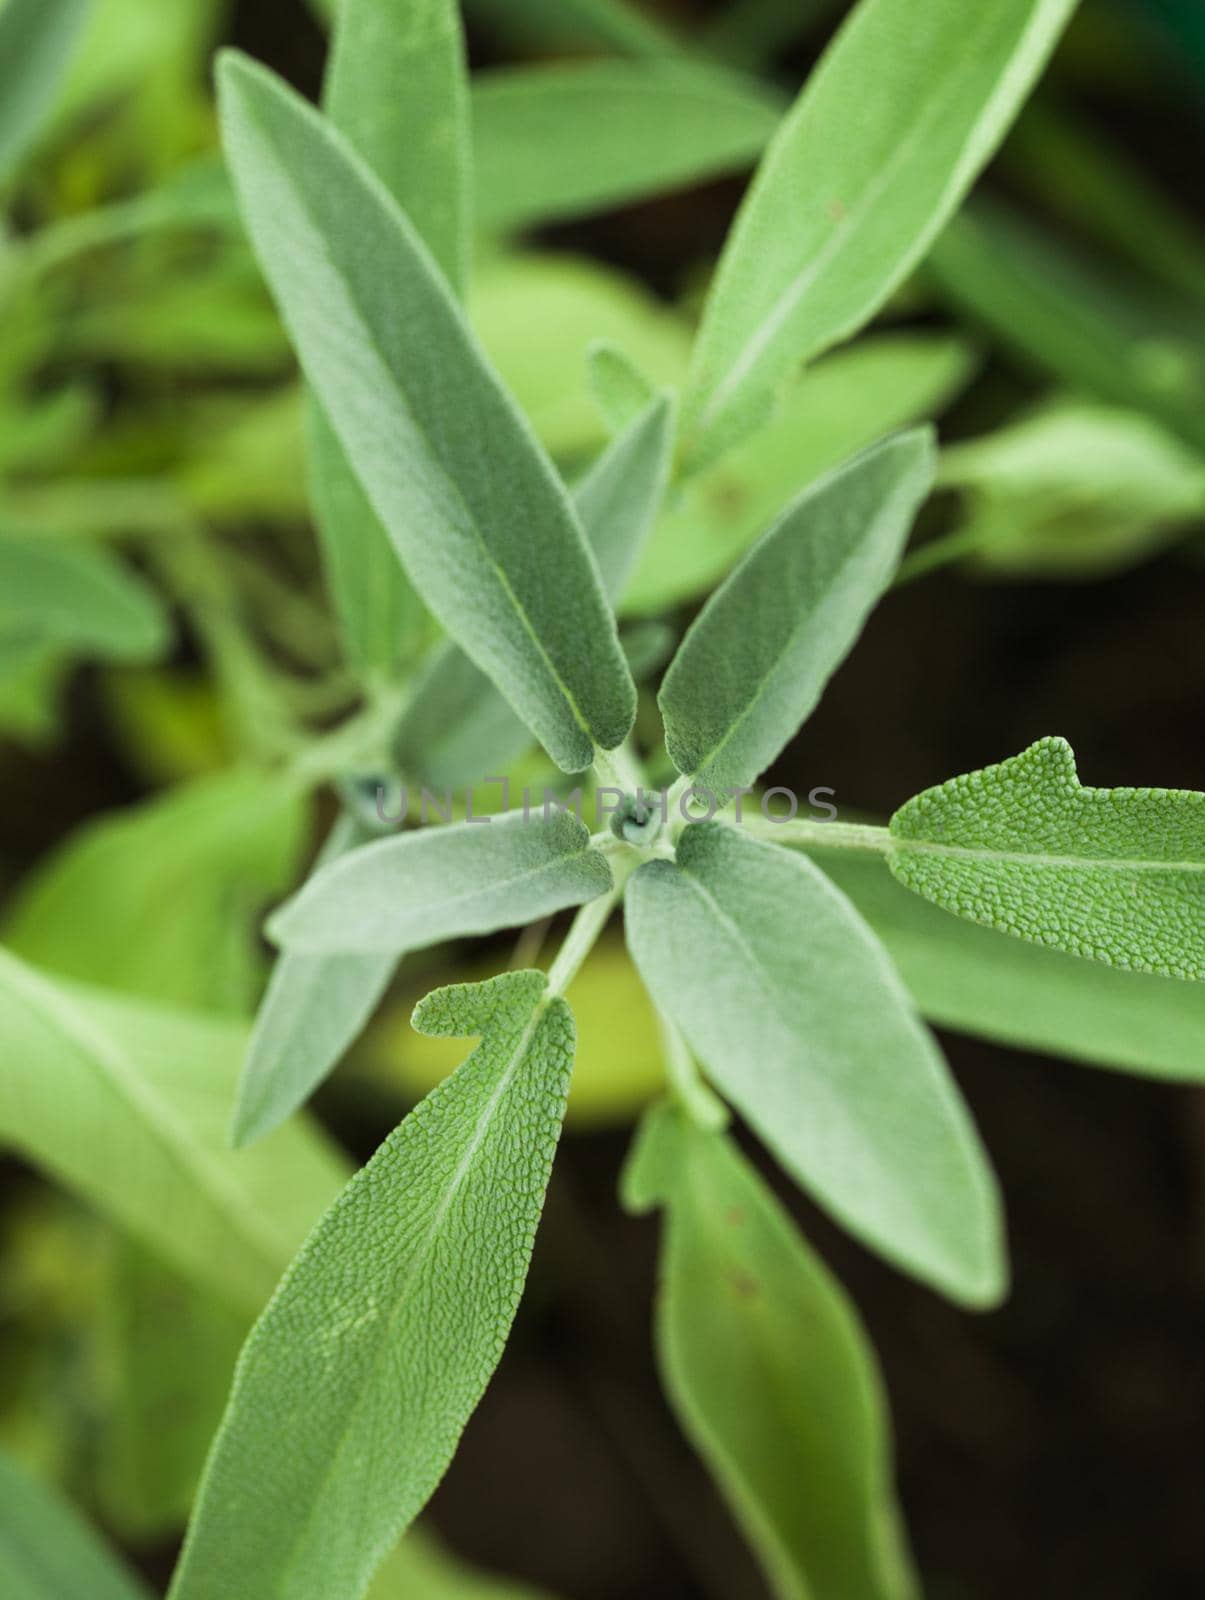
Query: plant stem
pixel 838 835
pixel 704 1107
pixel 589 923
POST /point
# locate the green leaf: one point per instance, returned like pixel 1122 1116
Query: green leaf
pixel 844 404
pixel 573 24
pixel 314 1009
pixel 769 1371
pixel 386 1329
pixel 443 882
pixel 488 536
pixel 166 1351
pixel 161 900
pixel 127 1104
pixel 755 662
pixel 420 1566
pixel 620 389
pixel 855 187
pixel 47 1552
pixel 555 142
pixel 1112 875
pixel 457 728
pixel 1073 489
pixel 796 1012
pixel 77 598
pixel 979 981
pixel 397 90
pixel 37 39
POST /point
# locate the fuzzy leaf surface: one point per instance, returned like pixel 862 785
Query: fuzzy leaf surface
pixel 755 661
pixel 485 529
pixel 800 1019
pixel 387 1327
pixel 769 1370
pixel 855 187
pixel 1111 875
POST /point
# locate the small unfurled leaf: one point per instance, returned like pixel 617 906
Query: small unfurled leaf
pixel 386 1329
pixel 621 391
pixel 76 599
pixel 47 1552
pixel 769 1371
pixel 441 882
pixel 855 187
pixel 128 1104
pixel 844 404
pixel 554 142
pixel 161 900
pixel 1112 875
pixel 457 727
pixel 978 981
pixel 37 38
pixel 314 1009
pixel 756 660
pixel 800 1019
pixel 483 526
pixel 397 89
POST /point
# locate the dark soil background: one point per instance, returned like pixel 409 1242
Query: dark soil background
pixel 1053 1448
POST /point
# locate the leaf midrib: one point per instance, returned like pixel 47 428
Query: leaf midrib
pixel 902 845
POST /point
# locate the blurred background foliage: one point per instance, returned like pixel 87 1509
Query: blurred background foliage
pixel 170 672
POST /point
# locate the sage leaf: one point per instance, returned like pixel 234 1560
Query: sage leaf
pixel 755 661
pixel 47 1551
pixel 483 526
pixel 77 598
pixel 443 882
pixel 37 39
pixel 386 1329
pixel 457 728
pixel 616 25
pixel 126 1103
pixel 855 187
pixel 796 1012
pixel 1111 875
pixel 769 1370
pixel 981 982
pixel 397 90
pixel 421 1566
pixel 556 142
pixel 314 1009
pixel 620 389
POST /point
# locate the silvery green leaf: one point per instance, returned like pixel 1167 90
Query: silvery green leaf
pixel 621 494
pixel 560 141
pixel 314 1009
pixel 387 1327
pixel 47 1551
pixel 127 1104
pixel 755 661
pixel 855 186
pixel 978 981
pixel 621 391
pixel 37 38
pixel 1112 875
pixel 800 1019
pixel 54 593
pixel 483 526
pixel 769 1370
pixel 443 882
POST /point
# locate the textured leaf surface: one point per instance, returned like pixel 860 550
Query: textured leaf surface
pixel 388 1326
pixel 844 404
pixel 755 661
pixel 982 982
pixel 209 851
pixel 37 38
pixel 314 1009
pixel 457 727
pixel 441 882
pixel 1113 875
pixel 127 1104
pixel 555 142
pixel 794 1008
pixel 47 1552
pixel 485 530
pixel 855 187
pixel 76 598
pixel 397 90
pixel 769 1371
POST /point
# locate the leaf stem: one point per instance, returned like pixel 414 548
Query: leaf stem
pixel 701 1104
pixel 588 924
pixel 837 835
